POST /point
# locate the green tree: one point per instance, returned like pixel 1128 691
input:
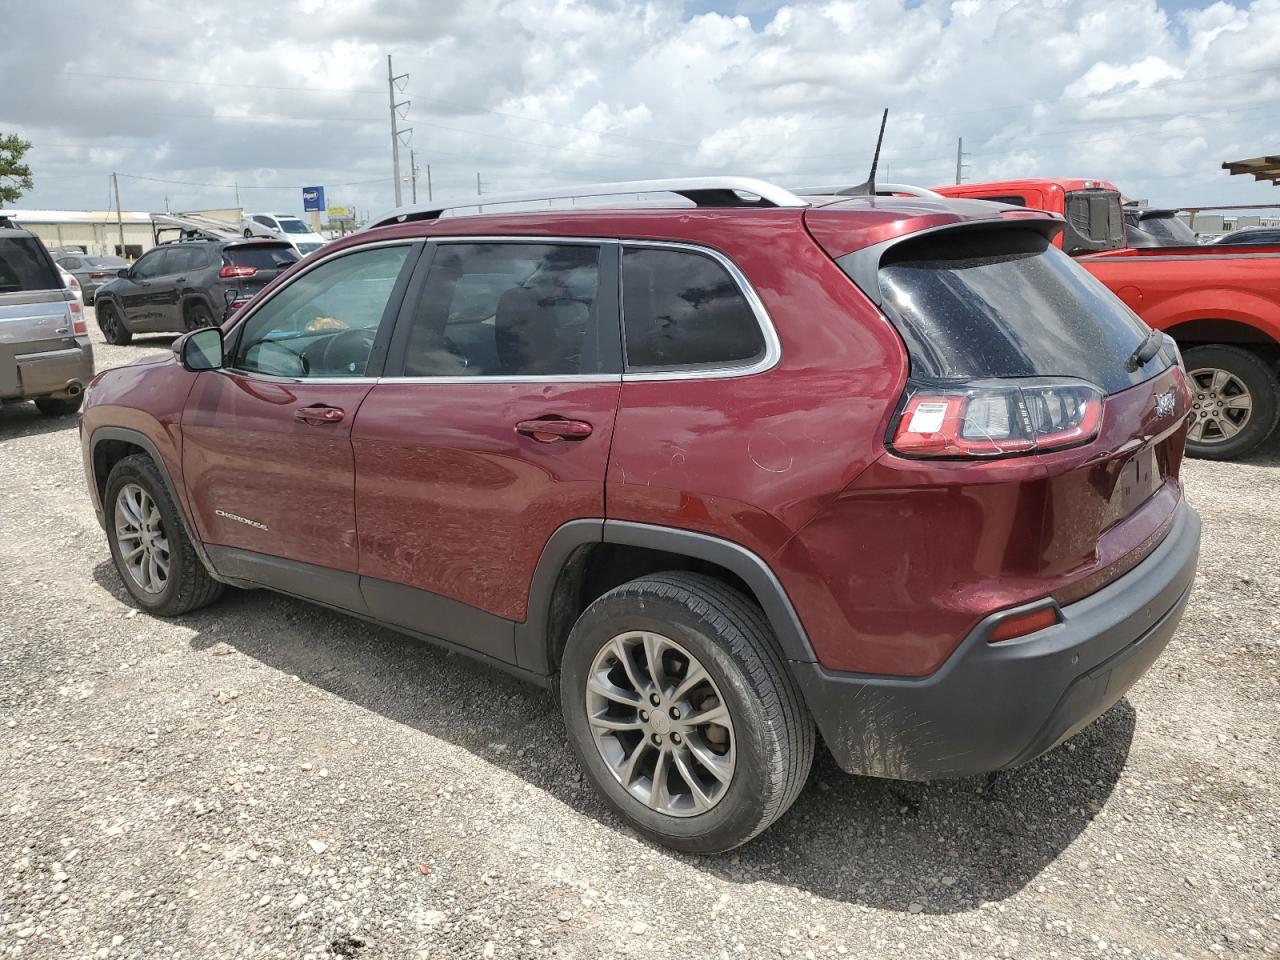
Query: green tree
pixel 15 176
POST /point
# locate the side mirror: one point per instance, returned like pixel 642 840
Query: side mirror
pixel 123 273
pixel 201 349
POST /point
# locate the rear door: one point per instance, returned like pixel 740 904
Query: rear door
pixel 267 441
pixel 491 430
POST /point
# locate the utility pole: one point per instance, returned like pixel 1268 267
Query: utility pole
pixel 960 164
pixel 237 185
pixel 479 192
pixel 429 197
pixel 115 185
pixel 395 133
pixel 413 174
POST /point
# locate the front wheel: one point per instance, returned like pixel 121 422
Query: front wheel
pixel 682 712
pixel 149 543
pixel 112 326
pixel 199 315
pixel 1235 402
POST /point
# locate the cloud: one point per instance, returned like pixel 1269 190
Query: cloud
pixel 268 97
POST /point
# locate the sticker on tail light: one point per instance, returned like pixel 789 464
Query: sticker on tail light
pixel 995 418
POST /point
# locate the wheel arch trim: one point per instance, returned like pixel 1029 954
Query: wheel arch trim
pixel 533 645
pixel 140 439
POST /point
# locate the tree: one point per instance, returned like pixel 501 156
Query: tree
pixel 15 176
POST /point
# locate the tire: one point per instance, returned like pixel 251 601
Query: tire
pixel 1230 376
pixel 112 325
pixel 767 749
pixel 198 315
pixel 187 585
pixel 58 406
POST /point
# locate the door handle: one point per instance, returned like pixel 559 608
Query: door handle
pixel 318 414
pixel 553 429
pixel 179 279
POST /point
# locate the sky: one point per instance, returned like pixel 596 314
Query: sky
pixel 192 102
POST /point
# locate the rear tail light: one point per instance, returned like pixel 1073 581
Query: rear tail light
pixel 233 271
pixel 78 326
pixel 1020 624
pixel 996 418
pixel 99 275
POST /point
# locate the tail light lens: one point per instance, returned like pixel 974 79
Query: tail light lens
pixel 230 270
pixel 99 275
pixel 996 418
pixel 1021 624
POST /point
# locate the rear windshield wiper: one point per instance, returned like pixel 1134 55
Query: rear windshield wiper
pixel 1147 349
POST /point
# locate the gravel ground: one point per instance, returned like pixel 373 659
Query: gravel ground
pixel 268 779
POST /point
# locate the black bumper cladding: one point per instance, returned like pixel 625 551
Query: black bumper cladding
pixel 992 706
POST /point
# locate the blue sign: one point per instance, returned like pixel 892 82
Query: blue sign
pixel 313 200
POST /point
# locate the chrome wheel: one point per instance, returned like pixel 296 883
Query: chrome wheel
pixel 140 538
pixel 660 724
pixel 1221 405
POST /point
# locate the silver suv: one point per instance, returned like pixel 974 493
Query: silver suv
pixel 44 344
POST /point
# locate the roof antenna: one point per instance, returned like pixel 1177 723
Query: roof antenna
pixel 868 189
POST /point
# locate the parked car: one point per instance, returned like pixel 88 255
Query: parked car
pixel 722 476
pixel 92 272
pixel 45 353
pixel 282 226
pixel 71 283
pixel 188 284
pixel 1222 308
pixel 1148 227
pixel 1251 235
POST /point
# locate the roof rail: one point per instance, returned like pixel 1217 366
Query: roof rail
pixel 703 191
pixel 882 190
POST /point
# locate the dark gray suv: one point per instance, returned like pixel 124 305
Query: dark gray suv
pixel 183 285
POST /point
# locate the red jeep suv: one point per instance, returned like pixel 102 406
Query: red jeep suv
pixel 729 473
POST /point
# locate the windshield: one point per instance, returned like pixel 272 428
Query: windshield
pixel 114 263
pixel 1007 303
pixel 293 226
pixel 261 256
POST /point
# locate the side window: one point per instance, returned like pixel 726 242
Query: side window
pixel 323 323
pixel 683 309
pixel 182 260
pixel 1012 198
pixel 153 264
pixel 507 309
pixel 69 263
pixel 266 222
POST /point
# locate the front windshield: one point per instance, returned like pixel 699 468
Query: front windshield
pixel 293 226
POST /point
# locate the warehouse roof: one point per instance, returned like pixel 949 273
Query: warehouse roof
pixel 76 216
pixel 1262 168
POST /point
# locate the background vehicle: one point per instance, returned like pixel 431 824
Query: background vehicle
pixel 1251 235
pixel 721 474
pixel 188 284
pixel 1221 306
pixel 45 353
pixel 1147 227
pixel 92 272
pixel 282 226
pixel 71 283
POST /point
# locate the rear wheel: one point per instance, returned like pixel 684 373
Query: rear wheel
pixel 149 543
pixel 199 315
pixel 1235 402
pixel 682 712
pixel 59 406
pixel 112 326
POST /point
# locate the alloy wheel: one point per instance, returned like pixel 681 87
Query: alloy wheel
pixel 144 548
pixel 1221 405
pixel 660 724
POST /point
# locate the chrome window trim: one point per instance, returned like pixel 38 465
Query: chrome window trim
pixel 336 254
pixel 772 345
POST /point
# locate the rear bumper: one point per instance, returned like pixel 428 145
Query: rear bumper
pixel 55 370
pixel 993 706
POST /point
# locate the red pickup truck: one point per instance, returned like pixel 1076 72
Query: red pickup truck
pixel 1220 303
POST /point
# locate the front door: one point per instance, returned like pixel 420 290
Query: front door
pixel 138 298
pixel 267 454
pixel 491 429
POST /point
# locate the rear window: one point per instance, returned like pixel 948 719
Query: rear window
pixel 1007 303
pixel 261 256
pixel 24 265
pixel 683 309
